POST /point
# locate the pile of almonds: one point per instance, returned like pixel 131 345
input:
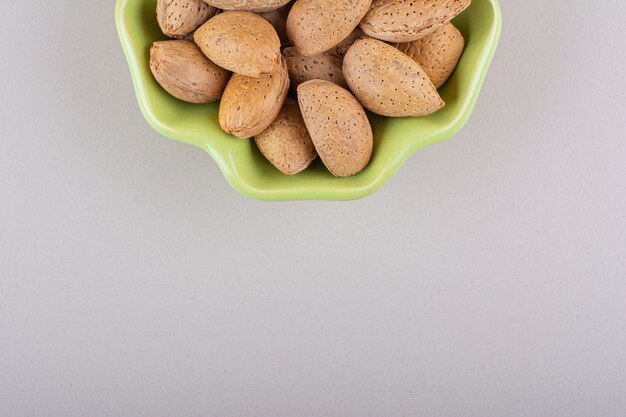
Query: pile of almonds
pixel 339 57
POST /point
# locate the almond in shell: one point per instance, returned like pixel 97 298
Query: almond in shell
pixel 286 143
pixel 316 26
pixel 409 20
pixel 248 5
pixel 342 48
pixel 278 19
pixel 338 126
pixel 438 53
pixel 178 18
pixel 184 72
pixel 241 42
pixel 388 82
pixel 326 66
pixel 250 104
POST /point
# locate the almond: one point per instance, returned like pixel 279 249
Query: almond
pixel 248 5
pixel 338 126
pixel 178 18
pixel 278 20
pixel 286 143
pixel 184 72
pixel 437 53
pixel 250 104
pixel 409 20
pixel 322 67
pixel 388 82
pixel 342 48
pixel 241 42
pixel 315 26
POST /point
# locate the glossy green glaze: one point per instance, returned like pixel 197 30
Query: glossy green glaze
pixel 243 165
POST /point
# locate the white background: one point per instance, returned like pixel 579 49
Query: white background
pixel 487 278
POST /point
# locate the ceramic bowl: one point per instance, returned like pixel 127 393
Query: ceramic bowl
pixel 241 162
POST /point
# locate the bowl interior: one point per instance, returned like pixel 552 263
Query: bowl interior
pixel 244 166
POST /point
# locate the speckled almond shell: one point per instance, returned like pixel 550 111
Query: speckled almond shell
pixel 278 20
pixel 250 104
pixel 338 126
pixel 316 26
pixel 388 82
pixel 184 72
pixel 322 67
pixel 438 53
pixel 241 42
pixel 248 5
pixel 341 49
pixel 409 20
pixel 286 143
pixel 178 18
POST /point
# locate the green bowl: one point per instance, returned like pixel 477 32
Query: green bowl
pixel 243 165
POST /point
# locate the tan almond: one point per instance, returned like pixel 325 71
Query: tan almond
pixel 241 42
pixel 278 20
pixel 342 48
pixel 178 18
pixel 326 66
pixel 248 5
pixel 388 82
pixel 286 143
pixel 184 72
pixel 338 126
pixel 316 26
pixel 250 104
pixel 438 53
pixel 409 20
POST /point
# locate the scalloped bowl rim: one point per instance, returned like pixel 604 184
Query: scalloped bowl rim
pixel 351 192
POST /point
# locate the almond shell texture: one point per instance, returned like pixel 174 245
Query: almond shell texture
pixel 437 53
pixel 326 66
pixel 409 20
pixel 241 42
pixel 286 143
pixel 388 82
pixel 338 126
pixel 250 104
pixel 278 20
pixel 184 72
pixel 178 18
pixel 316 26
pixel 248 5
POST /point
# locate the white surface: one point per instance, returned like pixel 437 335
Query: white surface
pixel 488 278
